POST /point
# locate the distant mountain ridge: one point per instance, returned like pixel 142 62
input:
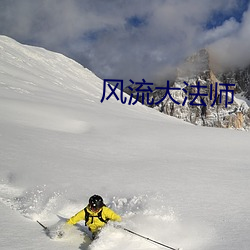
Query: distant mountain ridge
pixel 198 69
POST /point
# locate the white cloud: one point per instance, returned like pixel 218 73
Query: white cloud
pixel 228 28
pixel 233 50
pixel 97 33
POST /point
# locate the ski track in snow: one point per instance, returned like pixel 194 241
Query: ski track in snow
pixel 145 214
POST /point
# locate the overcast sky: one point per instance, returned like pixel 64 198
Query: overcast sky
pixel 131 39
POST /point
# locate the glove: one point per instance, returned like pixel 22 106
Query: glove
pixel 60 234
pixel 62 229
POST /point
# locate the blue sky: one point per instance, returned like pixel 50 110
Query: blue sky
pixel 218 17
pixel 132 39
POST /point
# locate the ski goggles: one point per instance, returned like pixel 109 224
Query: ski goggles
pixel 94 208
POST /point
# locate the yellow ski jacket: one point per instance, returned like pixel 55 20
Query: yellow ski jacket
pixel 94 223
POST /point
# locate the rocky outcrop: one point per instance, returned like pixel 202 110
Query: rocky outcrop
pixel 239 76
pixel 198 95
pixel 213 105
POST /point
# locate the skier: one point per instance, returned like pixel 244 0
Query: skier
pixel 95 214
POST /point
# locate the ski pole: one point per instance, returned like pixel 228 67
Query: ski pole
pixel 146 238
pixel 45 228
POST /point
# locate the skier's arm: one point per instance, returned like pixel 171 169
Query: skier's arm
pixel 110 214
pixel 77 217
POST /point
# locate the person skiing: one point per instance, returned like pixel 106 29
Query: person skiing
pixel 95 214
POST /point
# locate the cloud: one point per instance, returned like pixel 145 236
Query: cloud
pixel 233 49
pixel 228 28
pixel 122 39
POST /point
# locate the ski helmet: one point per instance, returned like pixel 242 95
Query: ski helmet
pixel 95 202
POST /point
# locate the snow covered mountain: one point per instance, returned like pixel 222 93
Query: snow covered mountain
pixel 241 78
pixel 198 95
pixel 216 111
pixel 182 185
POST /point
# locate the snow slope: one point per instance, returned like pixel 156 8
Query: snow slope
pixel 176 183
